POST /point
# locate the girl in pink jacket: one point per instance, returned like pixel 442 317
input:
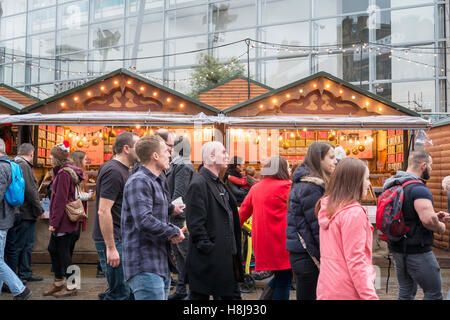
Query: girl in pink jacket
pixel 346 268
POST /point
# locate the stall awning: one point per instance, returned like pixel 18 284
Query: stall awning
pixel 169 119
pixel 108 119
pixel 329 122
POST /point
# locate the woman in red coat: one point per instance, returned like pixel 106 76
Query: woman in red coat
pixel 267 202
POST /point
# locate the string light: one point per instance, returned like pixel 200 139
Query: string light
pixel 380 49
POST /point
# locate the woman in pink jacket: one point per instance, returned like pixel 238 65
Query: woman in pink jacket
pixel 346 268
pixel 267 202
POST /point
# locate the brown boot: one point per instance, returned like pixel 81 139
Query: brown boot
pixel 57 285
pixel 65 292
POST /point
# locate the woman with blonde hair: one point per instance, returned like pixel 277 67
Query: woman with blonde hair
pixel 346 268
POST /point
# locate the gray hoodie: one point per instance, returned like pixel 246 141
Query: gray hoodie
pixel 400 178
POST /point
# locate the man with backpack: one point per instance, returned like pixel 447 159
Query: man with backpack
pixel 7 204
pixel 414 260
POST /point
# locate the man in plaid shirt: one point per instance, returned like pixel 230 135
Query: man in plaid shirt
pixel 146 232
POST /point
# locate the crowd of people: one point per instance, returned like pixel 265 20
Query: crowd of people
pixel 155 215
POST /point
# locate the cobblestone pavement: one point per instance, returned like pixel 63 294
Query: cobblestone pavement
pixel 91 285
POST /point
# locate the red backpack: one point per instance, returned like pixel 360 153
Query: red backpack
pixel 390 221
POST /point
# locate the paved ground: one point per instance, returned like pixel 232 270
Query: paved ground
pixel 91 286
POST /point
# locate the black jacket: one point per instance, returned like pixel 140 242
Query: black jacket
pixel 209 263
pixel 305 193
pixel 178 179
pixel 31 208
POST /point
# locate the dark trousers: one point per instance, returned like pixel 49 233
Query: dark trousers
pixel 75 236
pixel 11 252
pixel 180 252
pixel 306 273
pixel 59 249
pixel 26 234
pixel 281 284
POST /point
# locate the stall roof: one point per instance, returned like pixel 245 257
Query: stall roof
pixel 10 104
pixel 164 119
pixel 232 91
pixel 17 95
pixel 112 74
pixel 108 118
pixel 441 122
pixel 332 78
pixel 259 84
pixel 328 122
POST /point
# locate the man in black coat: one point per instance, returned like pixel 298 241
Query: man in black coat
pixel 213 263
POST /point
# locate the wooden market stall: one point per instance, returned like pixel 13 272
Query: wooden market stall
pixel 91 116
pixel 232 91
pixel 439 135
pixel 322 107
pixel 12 101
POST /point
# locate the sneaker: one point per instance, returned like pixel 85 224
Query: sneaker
pixel 25 295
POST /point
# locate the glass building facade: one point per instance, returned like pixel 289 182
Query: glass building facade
pixel 400 50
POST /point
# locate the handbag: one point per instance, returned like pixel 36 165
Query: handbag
pixel 75 209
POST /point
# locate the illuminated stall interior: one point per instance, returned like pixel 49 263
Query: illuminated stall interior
pixel 286 121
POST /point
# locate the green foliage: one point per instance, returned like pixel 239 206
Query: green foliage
pixel 210 71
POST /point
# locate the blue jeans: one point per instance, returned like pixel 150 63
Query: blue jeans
pixel 281 284
pixel 418 269
pixel 118 287
pixel 150 286
pixel 13 282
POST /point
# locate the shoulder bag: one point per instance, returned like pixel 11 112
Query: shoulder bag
pixel 75 209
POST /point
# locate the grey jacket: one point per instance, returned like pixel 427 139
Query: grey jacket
pixel 400 178
pixel 31 208
pixel 6 211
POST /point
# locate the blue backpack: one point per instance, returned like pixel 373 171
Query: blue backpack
pixel 15 194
